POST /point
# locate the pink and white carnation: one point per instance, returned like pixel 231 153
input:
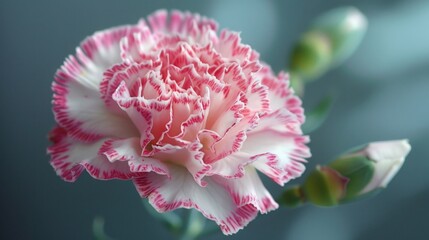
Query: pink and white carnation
pixel 188 115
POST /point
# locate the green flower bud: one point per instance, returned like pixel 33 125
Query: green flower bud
pixel 345 28
pixel 387 158
pixel 292 197
pixel 311 56
pixel 358 169
pixel 371 167
pixel 333 37
pixel 353 176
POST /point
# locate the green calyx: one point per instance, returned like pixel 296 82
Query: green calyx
pixel 292 197
pixel 358 169
pixel 325 187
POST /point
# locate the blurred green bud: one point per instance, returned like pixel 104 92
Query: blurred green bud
pixel 353 176
pixel 325 186
pixel 311 56
pixel 358 169
pixel 387 157
pixel 372 167
pixel 293 197
pixel 345 27
pixel 333 37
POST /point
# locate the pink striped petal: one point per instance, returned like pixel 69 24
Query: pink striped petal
pixel 189 117
pixel 151 117
pixel 214 201
pixel 129 150
pixel 76 89
pixel 232 141
pixel 121 149
pixel 280 155
pixel 249 189
pixel 137 46
pixel 69 158
pixel 232 166
pixel 189 157
pixel 230 47
pixel 280 94
pixel 281 120
pixel 141 79
pixel 158 20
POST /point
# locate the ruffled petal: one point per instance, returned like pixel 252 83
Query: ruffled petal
pixel 189 157
pixel 280 94
pixel 140 78
pixel 232 166
pixel 232 141
pixel 69 158
pixel 181 191
pixel 188 117
pixel 151 117
pixel 231 48
pixel 121 149
pixel 129 150
pixel 281 120
pixel 280 155
pixel 138 46
pixel 77 105
pixel 249 189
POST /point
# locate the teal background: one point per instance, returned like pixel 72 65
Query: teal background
pixel 381 93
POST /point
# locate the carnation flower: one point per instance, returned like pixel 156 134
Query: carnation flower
pixel 188 115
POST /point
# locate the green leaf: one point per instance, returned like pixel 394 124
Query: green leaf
pixel 316 117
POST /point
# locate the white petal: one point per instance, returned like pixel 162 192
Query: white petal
pixel 249 189
pixel 77 105
pixel 389 157
pixel 278 155
pixel 69 158
pixel 232 166
pixel 181 191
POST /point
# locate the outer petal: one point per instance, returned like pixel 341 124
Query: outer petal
pixel 77 105
pixel 249 189
pixel 231 48
pixel 280 155
pixel 69 158
pixel 180 190
pixel 121 149
pixel 280 94
pixel 129 150
pixel 232 166
pixel 389 157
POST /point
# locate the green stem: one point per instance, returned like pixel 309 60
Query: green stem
pixel 98 229
pixel 193 226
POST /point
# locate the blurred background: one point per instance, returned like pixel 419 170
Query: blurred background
pixel 381 93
